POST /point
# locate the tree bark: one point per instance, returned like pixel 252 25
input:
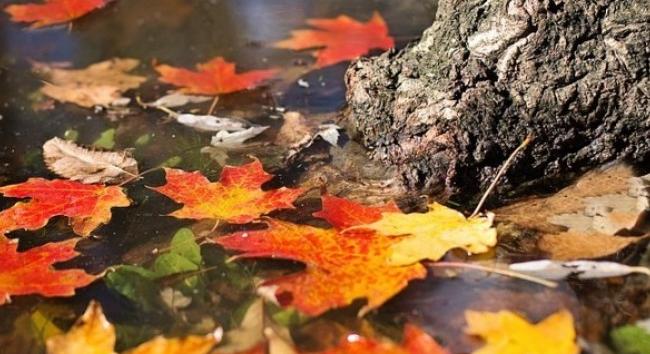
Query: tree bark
pixel 450 109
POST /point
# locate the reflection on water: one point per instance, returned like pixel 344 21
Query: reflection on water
pixel 181 33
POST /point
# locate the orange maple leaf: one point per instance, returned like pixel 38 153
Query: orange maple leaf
pixel 237 197
pixel 215 77
pixel 415 341
pixel 88 206
pixel 341 39
pixel 340 267
pixel 31 272
pixel 53 11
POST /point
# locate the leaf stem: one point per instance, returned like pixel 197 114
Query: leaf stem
pixel 504 272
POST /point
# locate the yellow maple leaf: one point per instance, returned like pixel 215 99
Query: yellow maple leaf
pixel 93 334
pixel 430 235
pixel 507 333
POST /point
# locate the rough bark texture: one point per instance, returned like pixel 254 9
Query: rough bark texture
pixel 450 109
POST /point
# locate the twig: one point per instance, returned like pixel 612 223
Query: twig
pixel 500 174
pixel 213 105
pixel 162 108
pixel 504 272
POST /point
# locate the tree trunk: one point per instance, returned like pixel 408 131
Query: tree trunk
pixel 450 109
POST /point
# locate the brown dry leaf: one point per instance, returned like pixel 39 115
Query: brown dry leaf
pixel 77 163
pixel 100 84
pixel 568 246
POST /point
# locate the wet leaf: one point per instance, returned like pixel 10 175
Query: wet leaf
pixel 31 272
pixel 569 245
pixel 237 197
pixel 214 77
pixel 430 235
pixel 631 340
pixel 87 206
pixel 177 99
pixel 52 12
pixel 340 39
pixel 100 84
pixel 211 123
pixel 136 284
pixel 507 333
pixel 106 139
pixel 93 334
pixel 225 139
pixel 77 163
pixel 555 270
pixel 340 268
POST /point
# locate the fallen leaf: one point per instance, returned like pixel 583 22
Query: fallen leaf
pixel 507 333
pixel 569 245
pixel 211 123
pixel 53 12
pixel 340 39
pixel 100 84
pixel 415 341
pixel 237 197
pixel 555 270
pixel 215 77
pixel 340 268
pixel 31 272
pixel 430 235
pixel 77 163
pixel 343 213
pixel 87 206
pixel 225 139
pixel 295 130
pixel 631 339
pixel 178 99
pixel 93 334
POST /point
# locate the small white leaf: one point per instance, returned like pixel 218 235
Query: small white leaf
pixel 178 100
pixel 555 270
pixel 211 123
pixel 226 139
pixel 329 133
pixel 77 163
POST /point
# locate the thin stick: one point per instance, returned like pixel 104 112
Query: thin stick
pixel 139 175
pixel 500 174
pixel 504 272
pixel 213 105
pixel 162 108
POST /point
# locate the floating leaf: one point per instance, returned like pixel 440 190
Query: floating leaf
pixel 237 197
pixel 211 123
pixel 87 206
pixel 415 341
pixel 341 39
pixel 177 99
pixel 430 235
pixel 31 272
pixel 215 77
pixel 555 270
pixel 631 340
pixel 100 84
pixel 106 139
pixel 74 162
pixel 507 333
pixel 225 139
pixel 340 268
pixel 571 245
pixel 94 334
pixel 53 11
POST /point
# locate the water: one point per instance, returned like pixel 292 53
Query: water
pixel 180 33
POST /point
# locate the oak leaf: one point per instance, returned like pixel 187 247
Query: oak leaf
pixel 237 197
pixel 93 333
pixel 507 333
pixel 430 235
pixel 77 163
pixel 340 39
pixel 100 84
pixel 215 77
pixel 340 268
pixel 87 206
pixel 52 12
pixel 31 272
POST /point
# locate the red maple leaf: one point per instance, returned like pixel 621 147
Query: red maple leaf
pixel 340 268
pixel 53 11
pixel 341 39
pixel 215 77
pixel 237 197
pixel 31 272
pixel 87 206
pixel 415 341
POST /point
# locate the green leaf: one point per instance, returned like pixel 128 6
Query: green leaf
pixel 631 340
pixel 136 284
pixel 106 140
pixel 184 244
pixel 172 263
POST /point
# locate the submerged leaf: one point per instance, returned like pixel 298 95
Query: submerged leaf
pixel 631 340
pixel 415 341
pixel 237 197
pixel 430 235
pixel 507 333
pixel 53 11
pixel 569 245
pixel 87 206
pixel 214 77
pixel 177 99
pixel 225 139
pixel 100 84
pixel 77 163
pixel 31 272
pixel 555 270
pixel 340 39
pixel 211 123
